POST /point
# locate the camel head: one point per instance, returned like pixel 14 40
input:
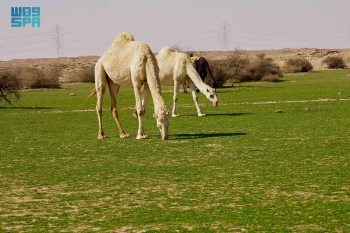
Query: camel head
pixel 163 123
pixel 211 95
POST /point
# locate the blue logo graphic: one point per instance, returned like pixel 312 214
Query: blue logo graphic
pixel 23 16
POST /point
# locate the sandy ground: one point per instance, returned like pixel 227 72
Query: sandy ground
pixel 71 65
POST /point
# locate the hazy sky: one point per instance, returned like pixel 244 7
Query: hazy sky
pixel 87 27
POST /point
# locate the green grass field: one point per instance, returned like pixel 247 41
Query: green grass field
pixel 241 168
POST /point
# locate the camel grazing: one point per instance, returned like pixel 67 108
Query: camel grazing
pixel 175 68
pixel 132 64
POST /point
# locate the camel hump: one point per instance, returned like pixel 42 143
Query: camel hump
pixel 124 36
pixel 166 50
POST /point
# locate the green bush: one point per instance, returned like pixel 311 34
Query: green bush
pixel 297 64
pixel 334 62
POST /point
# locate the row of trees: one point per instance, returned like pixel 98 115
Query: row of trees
pixel 236 68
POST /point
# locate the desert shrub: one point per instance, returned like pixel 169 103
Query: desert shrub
pixel 27 75
pixel 239 68
pixel 51 75
pixel 10 86
pixel 261 68
pixel 334 62
pixel 297 64
pixel 32 77
pixel 220 76
pixel 86 75
pixel 230 69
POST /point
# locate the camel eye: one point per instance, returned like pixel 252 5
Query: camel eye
pixel 212 96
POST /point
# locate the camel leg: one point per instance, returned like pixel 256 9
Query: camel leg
pixel 184 86
pixel 195 98
pixel 100 85
pixel 113 90
pixel 175 97
pixel 145 93
pixel 139 110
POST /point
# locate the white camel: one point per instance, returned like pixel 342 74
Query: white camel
pixel 174 68
pixel 132 64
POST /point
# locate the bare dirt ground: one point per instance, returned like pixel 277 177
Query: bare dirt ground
pixel 71 65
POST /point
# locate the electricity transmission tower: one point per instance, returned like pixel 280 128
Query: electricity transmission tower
pixel 224 35
pixel 57 38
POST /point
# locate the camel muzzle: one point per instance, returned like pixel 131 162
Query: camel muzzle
pixel 164 132
pixel 165 136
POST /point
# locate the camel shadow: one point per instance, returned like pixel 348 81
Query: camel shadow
pixel 203 135
pixel 227 114
pixel 218 114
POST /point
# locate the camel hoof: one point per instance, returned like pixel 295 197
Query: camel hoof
pixel 124 135
pixel 175 115
pixel 101 136
pixel 201 114
pixel 142 136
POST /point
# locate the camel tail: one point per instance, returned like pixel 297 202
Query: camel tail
pixel 100 77
pixel 93 93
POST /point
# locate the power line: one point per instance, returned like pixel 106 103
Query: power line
pixel 21 36
pixel 85 49
pixel 86 42
pixel 136 36
pixel 189 34
pixel 288 46
pixel 207 37
pixel 303 40
pixel 224 36
pixel 57 39
pixel 276 34
pixel 34 42
pixel 185 40
pixel 19 51
pixel 87 35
